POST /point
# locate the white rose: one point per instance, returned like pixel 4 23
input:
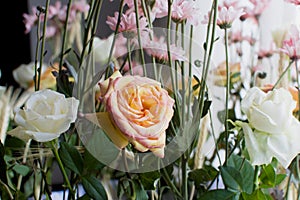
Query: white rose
pixel 272 131
pixel 24 74
pixel 45 116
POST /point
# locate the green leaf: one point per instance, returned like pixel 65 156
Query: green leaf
pixel 94 188
pixel 148 179
pixel 91 163
pixel 246 170
pixel 21 169
pixel 202 176
pixel 19 196
pixel 141 194
pixel 232 178
pixel 279 178
pixel 257 195
pixel 71 158
pixel 267 177
pixel 218 195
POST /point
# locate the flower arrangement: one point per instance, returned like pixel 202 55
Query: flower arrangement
pixel 148 113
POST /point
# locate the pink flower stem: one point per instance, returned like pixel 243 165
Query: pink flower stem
pixel 298 86
pixel 64 39
pixel 227 95
pixel 114 39
pixel 129 56
pixel 43 45
pixel 61 166
pixel 37 49
pixel 139 35
pixel 283 73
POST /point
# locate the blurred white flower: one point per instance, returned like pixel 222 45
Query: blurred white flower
pixel 24 74
pixel 9 99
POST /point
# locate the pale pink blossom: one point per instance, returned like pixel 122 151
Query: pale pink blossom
pixel 160 8
pixel 56 16
pixel 185 10
pixel 291 45
pixel 255 10
pixel 296 2
pixel 159 50
pixel 267 52
pixel 128 23
pixel 228 3
pixel 235 37
pixel 228 15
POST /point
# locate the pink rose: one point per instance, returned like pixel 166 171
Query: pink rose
pixel 141 109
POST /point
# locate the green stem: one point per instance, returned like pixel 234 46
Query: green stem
pixel 170 183
pixel 227 95
pixel 283 73
pixel 183 76
pixel 184 177
pixel 43 45
pixel 64 39
pixel 298 87
pixel 139 35
pixel 129 56
pixel 37 49
pixel 190 71
pixel 23 162
pixel 288 186
pixel 61 166
pixel 256 176
pixel 114 39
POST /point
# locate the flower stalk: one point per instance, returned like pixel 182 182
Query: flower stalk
pixel 62 168
pixel 227 95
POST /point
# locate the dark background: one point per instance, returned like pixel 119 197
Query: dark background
pixel 15 45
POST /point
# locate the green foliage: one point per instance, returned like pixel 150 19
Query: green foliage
pixel 71 157
pixel 219 194
pixel 94 188
pixel 268 177
pixel 202 176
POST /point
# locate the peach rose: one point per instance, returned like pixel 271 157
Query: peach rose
pixel 141 109
pixel 219 73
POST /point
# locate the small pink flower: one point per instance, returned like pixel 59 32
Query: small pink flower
pixel 128 23
pixel 296 2
pixel 160 8
pixel 291 45
pixel 267 52
pixel 185 10
pixel 228 15
pixel 255 10
pixel 29 21
pixel 228 3
pixel 235 37
pixel 159 50
pixel 54 9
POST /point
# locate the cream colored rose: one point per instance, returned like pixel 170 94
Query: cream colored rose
pixel 24 74
pixel 141 109
pixel 45 116
pixel 272 131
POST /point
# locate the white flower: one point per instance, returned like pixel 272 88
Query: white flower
pixel 45 116
pixel 24 74
pixel 102 48
pixel 272 131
